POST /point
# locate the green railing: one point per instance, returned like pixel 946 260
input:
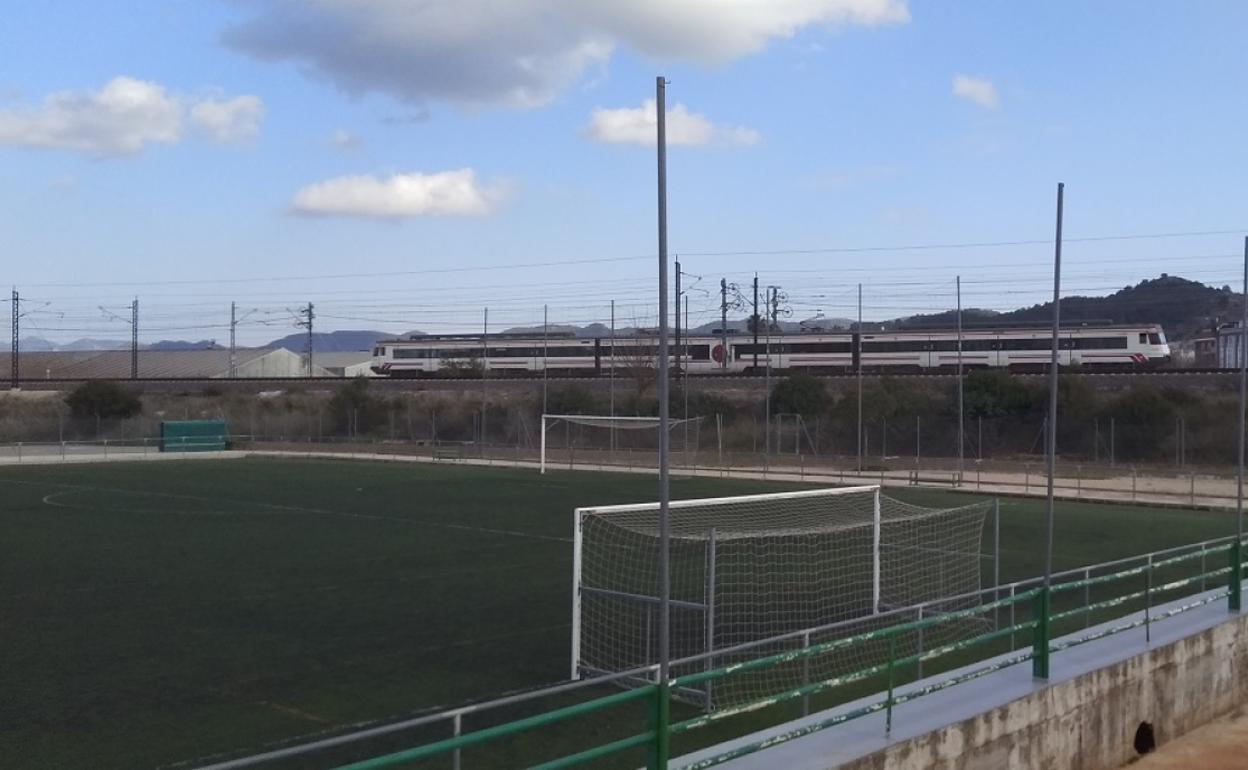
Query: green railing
pixel 1146 578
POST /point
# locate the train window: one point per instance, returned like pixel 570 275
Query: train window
pixel 1143 338
pixel 700 352
pixel 819 347
pixel 1154 338
pixel 1100 343
pixel 410 353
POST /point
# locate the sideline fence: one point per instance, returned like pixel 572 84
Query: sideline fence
pixel 1023 620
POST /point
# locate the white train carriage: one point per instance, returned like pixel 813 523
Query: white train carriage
pixel 898 351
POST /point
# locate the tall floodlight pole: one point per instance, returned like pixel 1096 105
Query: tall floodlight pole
pixel 485 366
pixel 1243 404
pixel 611 437
pixel 665 585
pixel 859 369
pixel 545 335
pixel 961 435
pixel 1050 454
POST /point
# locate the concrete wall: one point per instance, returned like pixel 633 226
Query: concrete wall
pixel 1089 722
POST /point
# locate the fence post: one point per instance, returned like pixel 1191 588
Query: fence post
pixel 919 662
pixel 659 717
pixel 19 451
pixel 806 673
pixel 1237 582
pixel 1192 497
pixel 1087 597
pixel 1148 600
pixel 1012 621
pixel 457 727
pixel 892 655
pixel 1040 635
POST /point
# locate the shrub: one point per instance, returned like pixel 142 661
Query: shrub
pixel 799 394
pixel 102 399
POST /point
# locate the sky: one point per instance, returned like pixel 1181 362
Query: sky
pixel 405 164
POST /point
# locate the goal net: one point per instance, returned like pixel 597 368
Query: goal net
pixel 605 426
pixel 765 567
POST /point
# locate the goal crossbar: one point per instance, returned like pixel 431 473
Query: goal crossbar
pixel 604 421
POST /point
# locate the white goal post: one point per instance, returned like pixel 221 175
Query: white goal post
pixel 602 421
pixel 757 567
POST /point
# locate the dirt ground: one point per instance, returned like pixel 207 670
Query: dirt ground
pixel 1219 745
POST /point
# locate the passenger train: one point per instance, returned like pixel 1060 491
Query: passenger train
pixel 1017 349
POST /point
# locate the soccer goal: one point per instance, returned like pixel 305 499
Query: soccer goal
pixel 606 423
pixel 759 567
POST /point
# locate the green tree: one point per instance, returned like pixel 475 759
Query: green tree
pixel 799 394
pixel 355 410
pixel 995 393
pixel 102 399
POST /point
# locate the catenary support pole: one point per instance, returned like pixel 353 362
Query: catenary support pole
pixel 611 435
pixel 134 339
pixel 545 347
pixel 723 323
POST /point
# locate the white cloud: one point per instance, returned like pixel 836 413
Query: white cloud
pixel 979 91
pixel 229 120
pixel 123 117
pixel 399 196
pixel 637 125
pixel 345 140
pixel 519 52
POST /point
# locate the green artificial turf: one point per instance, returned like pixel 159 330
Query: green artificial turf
pixel 157 613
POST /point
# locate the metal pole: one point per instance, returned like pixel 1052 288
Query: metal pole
pixel 961 435
pixel 233 329
pixel 611 436
pixel 710 610
pixel 134 339
pixel 485 367
pixel 545 336
pixel 1239 471
pixel 756 319
pixel 665 586
pixel 16 349
pixel 723 323
pixel 767 388
pixel 1051 449
pixel 859 368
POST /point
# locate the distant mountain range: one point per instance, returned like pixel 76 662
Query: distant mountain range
pixel 43 345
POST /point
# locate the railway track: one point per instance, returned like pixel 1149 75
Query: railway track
pixel 423 382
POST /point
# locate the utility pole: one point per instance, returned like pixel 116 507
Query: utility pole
pixel 16 348
pixel 134 339
pixel 665 582
pixel 303 319
pixel 961 434
pixel 859 368
pixel 754 322
pixel 723 323
pixel 679 360
pixel 233 330
pixel 771 290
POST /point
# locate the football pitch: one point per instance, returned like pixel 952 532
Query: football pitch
pixel 158 614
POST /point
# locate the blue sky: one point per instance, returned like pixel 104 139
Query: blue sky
pixel 420 156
